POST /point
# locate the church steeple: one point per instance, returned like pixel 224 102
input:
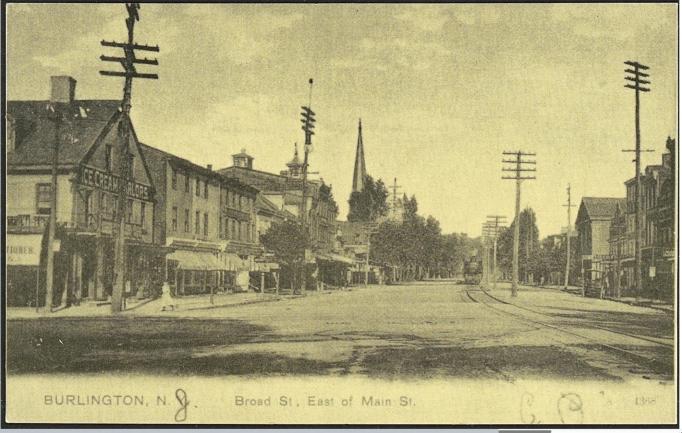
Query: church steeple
pixel 360 171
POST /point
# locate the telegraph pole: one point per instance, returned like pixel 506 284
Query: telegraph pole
pixel 487 233
pixel 371 229
pixel 637 82
pixel 308 121
pixel 518 166
pixel 55 114
pixel 128 62
pixel 568 207
pixel 495 222
pixel 394 205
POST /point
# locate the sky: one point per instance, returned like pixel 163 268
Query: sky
pixel 442 91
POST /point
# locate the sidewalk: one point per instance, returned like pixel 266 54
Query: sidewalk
pixel 641 302
pixel 153 307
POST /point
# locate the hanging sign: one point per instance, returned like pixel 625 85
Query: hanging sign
pixel 108 182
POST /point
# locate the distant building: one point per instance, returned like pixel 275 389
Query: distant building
pixel 208 221
pixel 664 218
pixel 87 199
pixel 657 230
pixel 593 224
pixel 359 170
pixel 285 191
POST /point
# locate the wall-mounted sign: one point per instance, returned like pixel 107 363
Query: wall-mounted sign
pixel 23 249
pixel 108 182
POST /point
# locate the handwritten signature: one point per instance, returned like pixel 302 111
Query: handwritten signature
pixel 181 397
pixel 569 407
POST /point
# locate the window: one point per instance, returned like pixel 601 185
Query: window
pixel 43 195
pixel 205 224
pixel 233 202
pixel 129 211
pixel 174 178
pixel 131 161
pixel 197 222
pixel 198 188
pixel 175 219
pixel 233 230
pixel 220 227
pixel 187 182
pixel 206 189
pixel 186 220
pixel 108 156
pixel 142 210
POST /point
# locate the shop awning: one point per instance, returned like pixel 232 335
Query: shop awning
pixel 196 261
pixel 331 257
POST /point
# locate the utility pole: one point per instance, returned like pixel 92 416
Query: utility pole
pixel 371 229
pixel 486 231
pixel 495 221
pixel 518 166
pixel 394 205
pixel 308 121
pixel 55 114
pixel 568 207
pixel 637 82
pixel 130 72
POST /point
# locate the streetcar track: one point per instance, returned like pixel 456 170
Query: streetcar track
pixel 637 337
pixel 657 365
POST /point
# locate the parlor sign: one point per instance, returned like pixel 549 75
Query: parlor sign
pixel 108 182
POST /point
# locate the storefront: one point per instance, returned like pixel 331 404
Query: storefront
pixel 25 280
pixel 195 273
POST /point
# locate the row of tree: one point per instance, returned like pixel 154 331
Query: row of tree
pixel 539 261
pixel 414 244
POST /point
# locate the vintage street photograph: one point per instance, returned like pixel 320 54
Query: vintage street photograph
pixel 341 213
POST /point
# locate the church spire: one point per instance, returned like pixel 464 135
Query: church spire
pixel 360 171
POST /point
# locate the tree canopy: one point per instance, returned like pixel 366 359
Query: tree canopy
pixel 369 204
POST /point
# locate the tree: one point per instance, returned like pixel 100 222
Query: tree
pixel 529 246
pixel 370 203
pixel 288 241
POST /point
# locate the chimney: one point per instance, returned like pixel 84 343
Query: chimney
pixel 210 167
pixel 63 89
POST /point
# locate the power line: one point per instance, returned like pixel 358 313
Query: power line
pixel 518 166
pixel 495 222
pixel 636 81
pixel 568 207
pixel 128 62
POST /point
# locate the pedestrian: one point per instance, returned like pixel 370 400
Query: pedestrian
pixel 166 297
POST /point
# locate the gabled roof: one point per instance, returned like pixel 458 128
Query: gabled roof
pixel 601 207
pixel 35 132
pixel 157 156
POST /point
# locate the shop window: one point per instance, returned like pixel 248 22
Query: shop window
pixel 43 195
pixel 175 219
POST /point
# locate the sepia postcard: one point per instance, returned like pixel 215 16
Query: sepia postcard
pixel 340 214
